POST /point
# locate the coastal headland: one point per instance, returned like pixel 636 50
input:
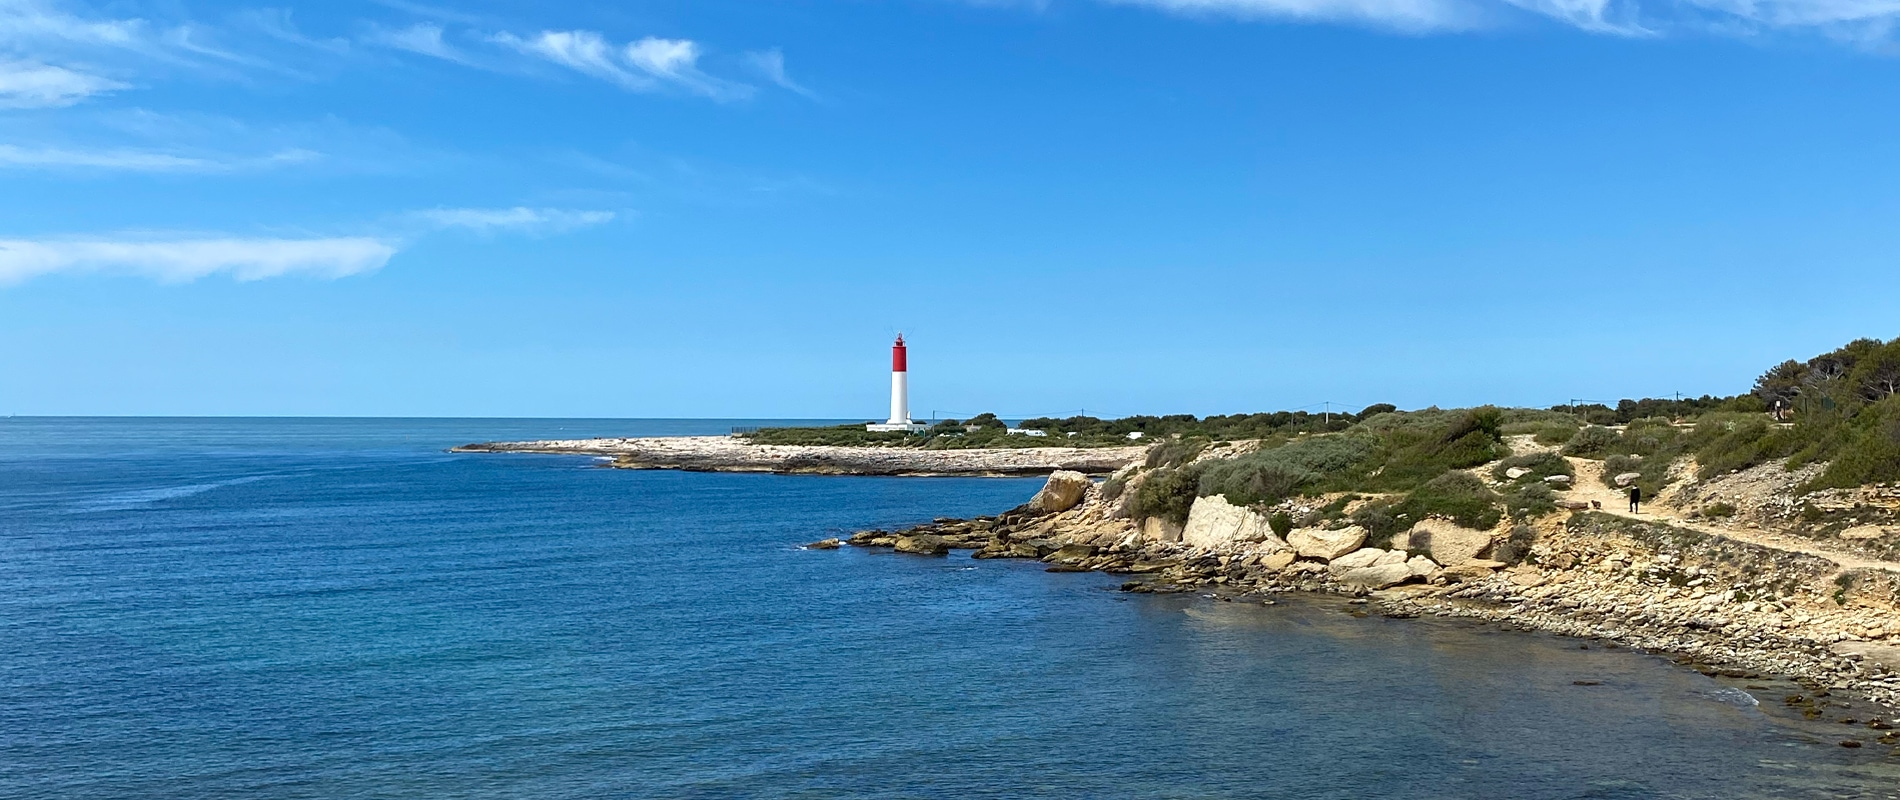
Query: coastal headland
pixel 732 454
pixel 1801 621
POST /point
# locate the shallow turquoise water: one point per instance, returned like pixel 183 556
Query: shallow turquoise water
pixel 330 608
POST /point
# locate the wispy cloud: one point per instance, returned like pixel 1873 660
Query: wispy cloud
pixel 518 219
pixel 181 260
pixel 27 84
pixel 424 38
pixel 1871 24
pixel 771 64
pixel 132 160
pixel 1406 15
pixel 646 65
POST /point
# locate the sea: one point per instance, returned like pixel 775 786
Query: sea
pixel 341 608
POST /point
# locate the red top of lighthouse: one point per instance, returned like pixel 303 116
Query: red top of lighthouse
pixel 897 356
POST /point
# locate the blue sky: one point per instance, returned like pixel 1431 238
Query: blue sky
pixel 728 208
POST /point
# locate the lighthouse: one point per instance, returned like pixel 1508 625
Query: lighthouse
pixel 900 393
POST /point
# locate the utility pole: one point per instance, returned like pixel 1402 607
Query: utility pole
pixel 1329 412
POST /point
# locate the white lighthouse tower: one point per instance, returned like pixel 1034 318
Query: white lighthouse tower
pixel 900 393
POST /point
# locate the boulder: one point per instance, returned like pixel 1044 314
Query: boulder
pixel 1377 577
pixel 1063 491
pixel 1390 557
pixel 1558 480
pixel 1516 472
pixel 1574 505
pixel 1625 479
pixel 1277 561
pixel 1213 522
pixel 1421 566
pixel 1326 545
pixel 1071 554
pixel 923 544
pixel 1450 544
pixel 1156 529
pixel 1354 560
pixel 824 544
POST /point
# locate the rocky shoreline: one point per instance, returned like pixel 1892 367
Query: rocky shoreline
pixel 1720 605
pixel 727 454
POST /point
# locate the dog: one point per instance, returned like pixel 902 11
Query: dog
pixel 1596 504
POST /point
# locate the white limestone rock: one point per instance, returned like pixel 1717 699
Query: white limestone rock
pixel 1213 522
pixel 1450 544
pixel 1377 577
pixel 1063 491
pixel 1324 544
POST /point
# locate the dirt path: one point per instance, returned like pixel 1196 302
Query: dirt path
pixel 1589 486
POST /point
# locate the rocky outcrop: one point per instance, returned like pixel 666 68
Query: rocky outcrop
pixel 922 544
pixel 1213 522
pixel 1326 545
pixel 728 454
pixel 1727 605
pixel 1064 490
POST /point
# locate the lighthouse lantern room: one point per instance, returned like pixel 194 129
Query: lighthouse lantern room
pixel 900 394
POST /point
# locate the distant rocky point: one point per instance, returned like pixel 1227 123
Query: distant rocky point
pixel 728 454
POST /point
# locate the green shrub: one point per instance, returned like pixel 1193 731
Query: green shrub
pixel 1647 437
pixel 1113 487
pixel 1530 500
pixel 1298 467
pixel 1459 496
pixel 1866 450
pixel 1555 433
pixel 1280 523
pixel 1591 442
pixel 1168 455
pixel 1541 466
pixel 1168 494
pixel 1653 472
pixel 1718 510
pixel 1725 442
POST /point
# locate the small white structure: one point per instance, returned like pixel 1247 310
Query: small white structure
pixel 1134 434
pixel 1025 432
pixel 900 394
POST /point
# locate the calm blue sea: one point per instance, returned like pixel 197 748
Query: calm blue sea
pixel 208 608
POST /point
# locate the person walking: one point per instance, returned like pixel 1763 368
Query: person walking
pixel 1636 498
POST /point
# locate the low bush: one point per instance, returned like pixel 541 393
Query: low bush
pixel 1541 466
pixel 1530 500
pixel 1594 441
pixel 1299 467
pixel 1556 433
pixel 1280 523
pixel 1459 496
pixel 1718 510
pixel 1168 455
pixel 1168 494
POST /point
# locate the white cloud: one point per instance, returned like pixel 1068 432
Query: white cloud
pixel 423 38
pixel 519 218
pixel 180 260
pixel 585 52
pixel 771 64
pixel 649 64
pixel 28 84
pixel 131 160
pixel 30 20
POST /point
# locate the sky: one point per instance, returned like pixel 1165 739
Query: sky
pixel 728 209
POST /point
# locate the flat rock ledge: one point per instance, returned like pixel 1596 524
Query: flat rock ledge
pixel 726 454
